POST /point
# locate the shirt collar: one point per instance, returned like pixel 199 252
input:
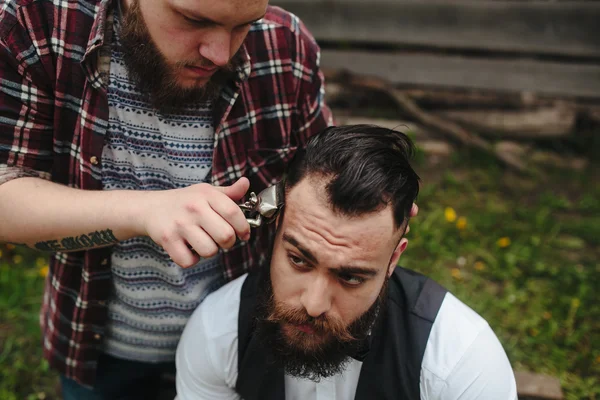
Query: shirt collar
pixel 97 33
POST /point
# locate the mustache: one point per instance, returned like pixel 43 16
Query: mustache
pixel 204 63
pixel 322 324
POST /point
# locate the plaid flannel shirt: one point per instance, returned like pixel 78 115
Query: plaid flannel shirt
pixel 54 114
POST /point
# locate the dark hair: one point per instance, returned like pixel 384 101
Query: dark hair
pixel 367 167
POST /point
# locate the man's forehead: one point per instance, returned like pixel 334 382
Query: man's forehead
pixel 310 219
pixel 224 11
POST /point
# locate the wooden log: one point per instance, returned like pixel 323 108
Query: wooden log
pixel 538 386
pixel 336 90
pixel 549 122
pixel 543 123
pixel 407 127
pixel 434 98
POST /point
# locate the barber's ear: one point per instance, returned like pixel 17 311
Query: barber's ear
pixel 396 255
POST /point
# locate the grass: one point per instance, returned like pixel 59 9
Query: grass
pixel 522 252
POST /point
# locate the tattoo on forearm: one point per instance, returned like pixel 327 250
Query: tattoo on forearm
pixel 93 239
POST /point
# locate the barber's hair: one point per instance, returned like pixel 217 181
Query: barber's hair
pixel 366 168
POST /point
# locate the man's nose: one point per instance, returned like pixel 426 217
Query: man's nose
pixel 217 48
pixel 316 299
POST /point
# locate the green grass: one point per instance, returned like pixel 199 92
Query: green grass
pixel 23 372
pixel 539 293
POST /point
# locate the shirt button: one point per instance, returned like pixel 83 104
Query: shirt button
pixel 97 336
pixel 94 160
pixel 104 261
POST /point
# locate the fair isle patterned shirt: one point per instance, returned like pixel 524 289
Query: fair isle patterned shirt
pixel 152 297
pixel 53 121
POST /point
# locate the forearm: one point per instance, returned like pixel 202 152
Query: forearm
pixel 52 217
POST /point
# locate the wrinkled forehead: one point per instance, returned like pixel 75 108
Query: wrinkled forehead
pixel 310 218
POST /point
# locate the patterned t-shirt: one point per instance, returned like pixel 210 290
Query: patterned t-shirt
pixel 152 297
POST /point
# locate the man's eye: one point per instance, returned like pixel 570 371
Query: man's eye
pixel 352 280
pixel 297 261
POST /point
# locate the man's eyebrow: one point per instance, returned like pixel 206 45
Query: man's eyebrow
pixel 346 269
pixel 200 17
pixel 306 253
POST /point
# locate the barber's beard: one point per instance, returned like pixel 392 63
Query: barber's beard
pixel 155 76
pixel 324 352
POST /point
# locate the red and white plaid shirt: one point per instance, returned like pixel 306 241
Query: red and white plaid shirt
pixel 53 119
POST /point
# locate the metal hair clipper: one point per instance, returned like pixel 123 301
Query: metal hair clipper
pixel 265 207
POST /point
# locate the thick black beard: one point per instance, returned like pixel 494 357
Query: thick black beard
pixel 152 73
pixel 329 359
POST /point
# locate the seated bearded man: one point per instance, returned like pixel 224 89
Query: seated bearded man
pixel 334 317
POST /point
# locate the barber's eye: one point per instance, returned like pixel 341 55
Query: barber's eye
pixel 197 22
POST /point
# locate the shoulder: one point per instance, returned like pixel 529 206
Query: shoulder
pixel 283 35
pixel 219 310
pixel 464 358
pixel 26 22
pixel 206 358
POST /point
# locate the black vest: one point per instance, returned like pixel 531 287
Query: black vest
pixel 391 368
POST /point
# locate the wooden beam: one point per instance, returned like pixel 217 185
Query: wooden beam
pixel 538 386
pixel 567 28
pixel 502 74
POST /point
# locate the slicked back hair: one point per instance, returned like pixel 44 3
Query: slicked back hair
pixel 365 167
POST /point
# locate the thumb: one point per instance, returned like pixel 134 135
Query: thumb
pixel 236 191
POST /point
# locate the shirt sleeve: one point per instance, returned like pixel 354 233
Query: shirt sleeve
pixel 206 362
pixel 26 106
pixel 483 372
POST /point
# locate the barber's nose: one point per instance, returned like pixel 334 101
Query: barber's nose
pixel 316 299
pixel 217 48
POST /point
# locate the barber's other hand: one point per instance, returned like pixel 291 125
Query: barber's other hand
pixel 201 216
pixel 413 213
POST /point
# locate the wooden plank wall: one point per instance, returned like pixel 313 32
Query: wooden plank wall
pixel 539 46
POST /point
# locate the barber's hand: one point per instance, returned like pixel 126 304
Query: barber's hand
pixel 203 216
pixel 413 213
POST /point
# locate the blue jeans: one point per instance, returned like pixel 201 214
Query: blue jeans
pixel 118 379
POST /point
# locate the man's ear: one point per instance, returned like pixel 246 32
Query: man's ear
pixel 396 255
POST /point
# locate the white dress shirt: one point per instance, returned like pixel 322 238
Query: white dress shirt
pixel 463 358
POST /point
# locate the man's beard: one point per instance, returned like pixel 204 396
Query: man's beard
pixel 322 354
pixel 153 74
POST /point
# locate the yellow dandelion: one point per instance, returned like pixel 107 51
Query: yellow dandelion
pixel 44 271
pixel 10 246
pixel 575 303
pixel 479 266
pixel 461 224
pixel 534 332
pixel 503 242
pixel 450 214
pixel 547 315
pixel 18 259
pixel 456 273
pixel 41 262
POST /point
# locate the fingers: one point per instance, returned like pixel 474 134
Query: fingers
pixel 201 242
pixel 414 210
pixel 180 253
pixel 236 191
pixel 226 222
pixel 221 223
